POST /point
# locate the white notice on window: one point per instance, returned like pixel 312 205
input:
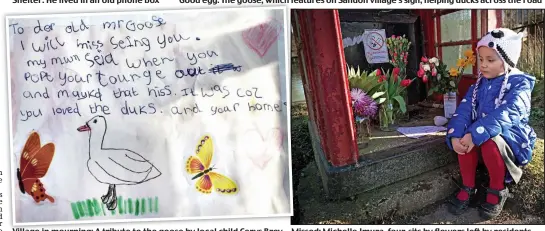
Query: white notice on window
pixel 375 47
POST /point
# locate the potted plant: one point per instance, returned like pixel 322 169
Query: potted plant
pixel 364 108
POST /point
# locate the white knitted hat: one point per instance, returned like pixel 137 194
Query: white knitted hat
pixel 506 42
pixel 508 45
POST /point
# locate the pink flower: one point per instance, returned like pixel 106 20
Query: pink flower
pixel 357 95
pixel 379 73
pixel 420 72
pixel 405 82
pixel 395 73
pixel 434 72
pixel 382 78
pixel 424 59
pixel 366 107
pixel 425 79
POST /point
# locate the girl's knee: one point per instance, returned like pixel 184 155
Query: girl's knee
pixel 488 144
pixel 489 148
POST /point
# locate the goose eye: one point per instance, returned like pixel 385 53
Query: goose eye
pixel 95 121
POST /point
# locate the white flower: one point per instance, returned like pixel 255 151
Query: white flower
pixel 426 67
pixel 435 61
pixel 452 83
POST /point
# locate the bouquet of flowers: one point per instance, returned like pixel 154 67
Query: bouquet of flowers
pixel 391 86
pixel 398 48
pixel 391 90
pixel 364 108
pixel 442 80
pixel 435 70
pixel 367 82
pixel 363 105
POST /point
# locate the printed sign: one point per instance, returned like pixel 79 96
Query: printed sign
pixel 374 42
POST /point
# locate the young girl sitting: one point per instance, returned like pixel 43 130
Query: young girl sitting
pixel 492 121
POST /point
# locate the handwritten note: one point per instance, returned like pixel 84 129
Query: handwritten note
pixel 417 132
pixel 149 105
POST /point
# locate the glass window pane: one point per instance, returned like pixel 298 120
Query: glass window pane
pixel 456 26
pixel 451 54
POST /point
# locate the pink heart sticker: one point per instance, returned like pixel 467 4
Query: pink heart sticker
pixel 261 149
pixel 261 37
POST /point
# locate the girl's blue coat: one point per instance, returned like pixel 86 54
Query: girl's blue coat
pixel 510 120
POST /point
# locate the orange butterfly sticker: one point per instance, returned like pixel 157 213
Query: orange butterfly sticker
pixel 33 165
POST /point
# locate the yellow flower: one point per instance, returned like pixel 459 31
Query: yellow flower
pixel 460 63
pixel 468 53
pixel 453 72
pixel 472 60
pixel 467 63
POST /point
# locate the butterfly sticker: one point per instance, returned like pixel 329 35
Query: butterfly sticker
pixel 33 165
pixel 199 164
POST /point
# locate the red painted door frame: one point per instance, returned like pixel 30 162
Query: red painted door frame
pixel 328 84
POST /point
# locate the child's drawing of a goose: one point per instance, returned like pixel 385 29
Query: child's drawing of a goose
pixel 114 166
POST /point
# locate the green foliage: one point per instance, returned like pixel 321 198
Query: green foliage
pixel 537 114
pixel 538 94
pixel 393 90
pixel 367 82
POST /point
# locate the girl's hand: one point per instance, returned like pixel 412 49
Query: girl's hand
pixel 458 147
pixel 467 141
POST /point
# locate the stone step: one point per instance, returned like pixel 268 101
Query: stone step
pixel 387 163
pixel 400 198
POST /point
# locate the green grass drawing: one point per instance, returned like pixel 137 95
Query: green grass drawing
pixel 131 206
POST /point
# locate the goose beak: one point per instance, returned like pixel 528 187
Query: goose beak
pixel 84 128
